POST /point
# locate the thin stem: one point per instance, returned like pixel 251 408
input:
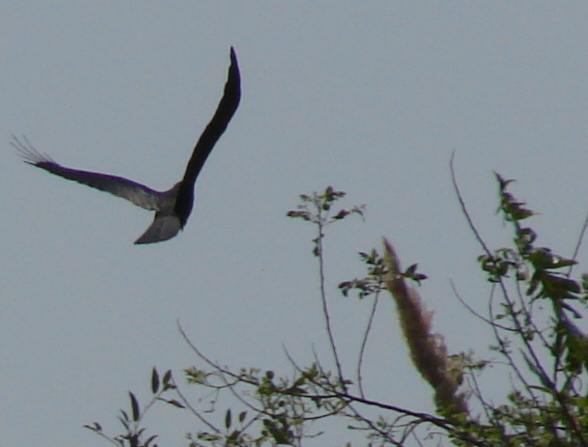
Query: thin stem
pixel 579 244
pixel 474 312
pixel 326 315
pixel 464 209
pixel 109 439
pixel 364 343
pixel 192 410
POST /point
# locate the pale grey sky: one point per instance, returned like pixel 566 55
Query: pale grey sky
pixel 371 98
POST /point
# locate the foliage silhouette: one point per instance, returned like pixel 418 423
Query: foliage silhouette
pixel 532 304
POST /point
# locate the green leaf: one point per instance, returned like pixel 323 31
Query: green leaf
pixel 167 378
pixel 543 258
pixel 503 183
pixel 228 419
pixel 124 421
pixel 96 427
pixel 154 381
pixel 174 402
pixel 151 439
pixel 301 214
pixel 410 271
pixel 135 407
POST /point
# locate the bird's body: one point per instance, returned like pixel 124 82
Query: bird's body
pixel 172 207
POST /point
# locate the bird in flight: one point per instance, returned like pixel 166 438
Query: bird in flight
pixel 172 207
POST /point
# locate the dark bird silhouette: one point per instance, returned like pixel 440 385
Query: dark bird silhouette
pixel 173 207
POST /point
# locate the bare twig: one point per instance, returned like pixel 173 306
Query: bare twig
pixel 578 244
pixel 323 293
pixel 464 209
pixel 364 344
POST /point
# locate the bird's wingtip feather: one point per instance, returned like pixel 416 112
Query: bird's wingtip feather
pixel 28 152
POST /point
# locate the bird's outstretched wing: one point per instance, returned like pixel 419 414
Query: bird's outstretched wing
pixel 173 206
pixel 136 193
pixel 213 131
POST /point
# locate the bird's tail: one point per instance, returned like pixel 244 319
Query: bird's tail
pixel 164 227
